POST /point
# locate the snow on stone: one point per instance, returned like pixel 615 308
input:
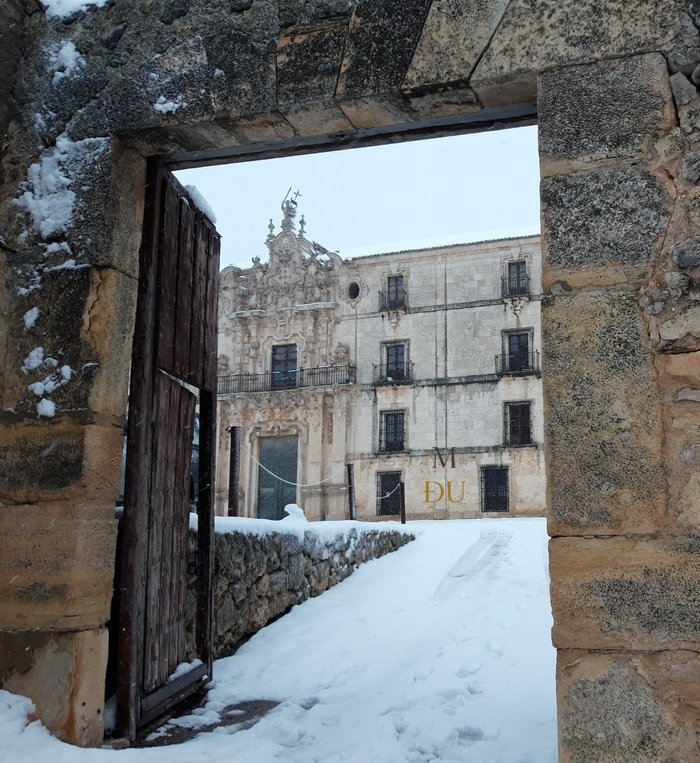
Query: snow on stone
pixel 57 246
pixel 47 196
pixel 46 408
pixel 67 265
pixel 294 513
pixel 62 9
pixel 64 61
pixel 54 381
pixel 164 106
pixel 200 202
pixel 31 317
pixel 440 651
pixel 34 360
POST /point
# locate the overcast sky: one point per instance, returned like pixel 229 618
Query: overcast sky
pixel 371 200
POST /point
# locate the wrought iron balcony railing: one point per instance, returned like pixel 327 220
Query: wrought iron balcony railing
pixel 396 299
pixel 515 286
pixel 322 376
pixel 392 374
pixel 518 364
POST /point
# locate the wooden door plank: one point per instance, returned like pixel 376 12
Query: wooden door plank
pixel 211 313
pixel 181 526
pixel 185 268
pixel 197 298
pixel 168 267
pixel 157 573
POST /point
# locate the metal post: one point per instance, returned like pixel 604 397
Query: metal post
pixel 402 498
pixel 351 490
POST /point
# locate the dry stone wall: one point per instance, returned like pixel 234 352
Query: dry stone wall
pixel 259 577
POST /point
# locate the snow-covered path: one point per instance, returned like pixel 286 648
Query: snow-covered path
pixel 438 652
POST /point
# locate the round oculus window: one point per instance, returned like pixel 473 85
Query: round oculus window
pixel 354 290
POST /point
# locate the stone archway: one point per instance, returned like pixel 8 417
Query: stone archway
pixel 92 95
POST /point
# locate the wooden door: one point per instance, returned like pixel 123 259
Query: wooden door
pixel 173 374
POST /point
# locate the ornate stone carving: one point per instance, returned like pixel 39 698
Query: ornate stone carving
pixel 299 272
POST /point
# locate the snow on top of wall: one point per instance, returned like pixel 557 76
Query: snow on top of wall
pixel 64 61
pixel 288 526
pixel 62 9
pixel 200 202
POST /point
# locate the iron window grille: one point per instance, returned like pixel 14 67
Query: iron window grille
pixel 516 423
pixel 388 493
pixel 494 488
pixel 517 282
pixel 391 431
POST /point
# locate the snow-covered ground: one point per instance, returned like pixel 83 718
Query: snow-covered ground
pixel 438 652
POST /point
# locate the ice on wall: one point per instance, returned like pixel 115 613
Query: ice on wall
pixel 62 9
pixel 64 61
pixel 46 195
pixel 200 202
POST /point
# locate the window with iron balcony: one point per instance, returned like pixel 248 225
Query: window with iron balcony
pixel 395 297
pixel 517 282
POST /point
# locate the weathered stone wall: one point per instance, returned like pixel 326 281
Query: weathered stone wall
pixel 621 215
pixel 621 334
pixel 257 578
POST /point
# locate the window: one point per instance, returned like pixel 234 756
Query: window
pixel 395 297
pixel 388 492
pixel 284 366
pixel 494 488
pixel 354 290
pixel 519 352
pixel 517 282
pixel 391 431
pixel 516 423
pixel 395 362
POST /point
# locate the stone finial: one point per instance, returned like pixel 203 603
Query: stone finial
pixel 302 223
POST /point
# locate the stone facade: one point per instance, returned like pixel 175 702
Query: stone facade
pixel 433 383
pixel 261 574
pixel 619 115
